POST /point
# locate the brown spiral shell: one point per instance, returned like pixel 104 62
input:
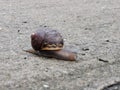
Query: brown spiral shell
pixel 46 39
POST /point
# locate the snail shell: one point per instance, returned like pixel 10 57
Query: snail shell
pixel 46 39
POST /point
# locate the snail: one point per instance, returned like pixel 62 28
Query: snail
pixel 49 43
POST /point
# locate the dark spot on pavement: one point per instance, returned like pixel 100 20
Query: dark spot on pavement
pixel 107 40
pixel 25 57
pixel 102 60
pixel 18 30
pixel 115 86
pixel 45 26
pixel 83 54
pixel 24 22
pixel 64 21
pixel 87 28
pixel 85 49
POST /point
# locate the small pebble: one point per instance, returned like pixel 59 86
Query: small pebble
pixel 0 28
pixel 45 86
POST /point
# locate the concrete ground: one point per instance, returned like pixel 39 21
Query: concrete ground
pixel 91 27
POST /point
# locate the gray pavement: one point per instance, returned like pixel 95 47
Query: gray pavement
pixel 91 27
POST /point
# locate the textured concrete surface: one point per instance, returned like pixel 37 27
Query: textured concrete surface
pixel 92 27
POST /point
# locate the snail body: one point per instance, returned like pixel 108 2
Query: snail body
pixel 60 54
pixel 63 54
pixel 49 43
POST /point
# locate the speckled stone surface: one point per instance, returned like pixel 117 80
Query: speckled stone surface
pixel 90 27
